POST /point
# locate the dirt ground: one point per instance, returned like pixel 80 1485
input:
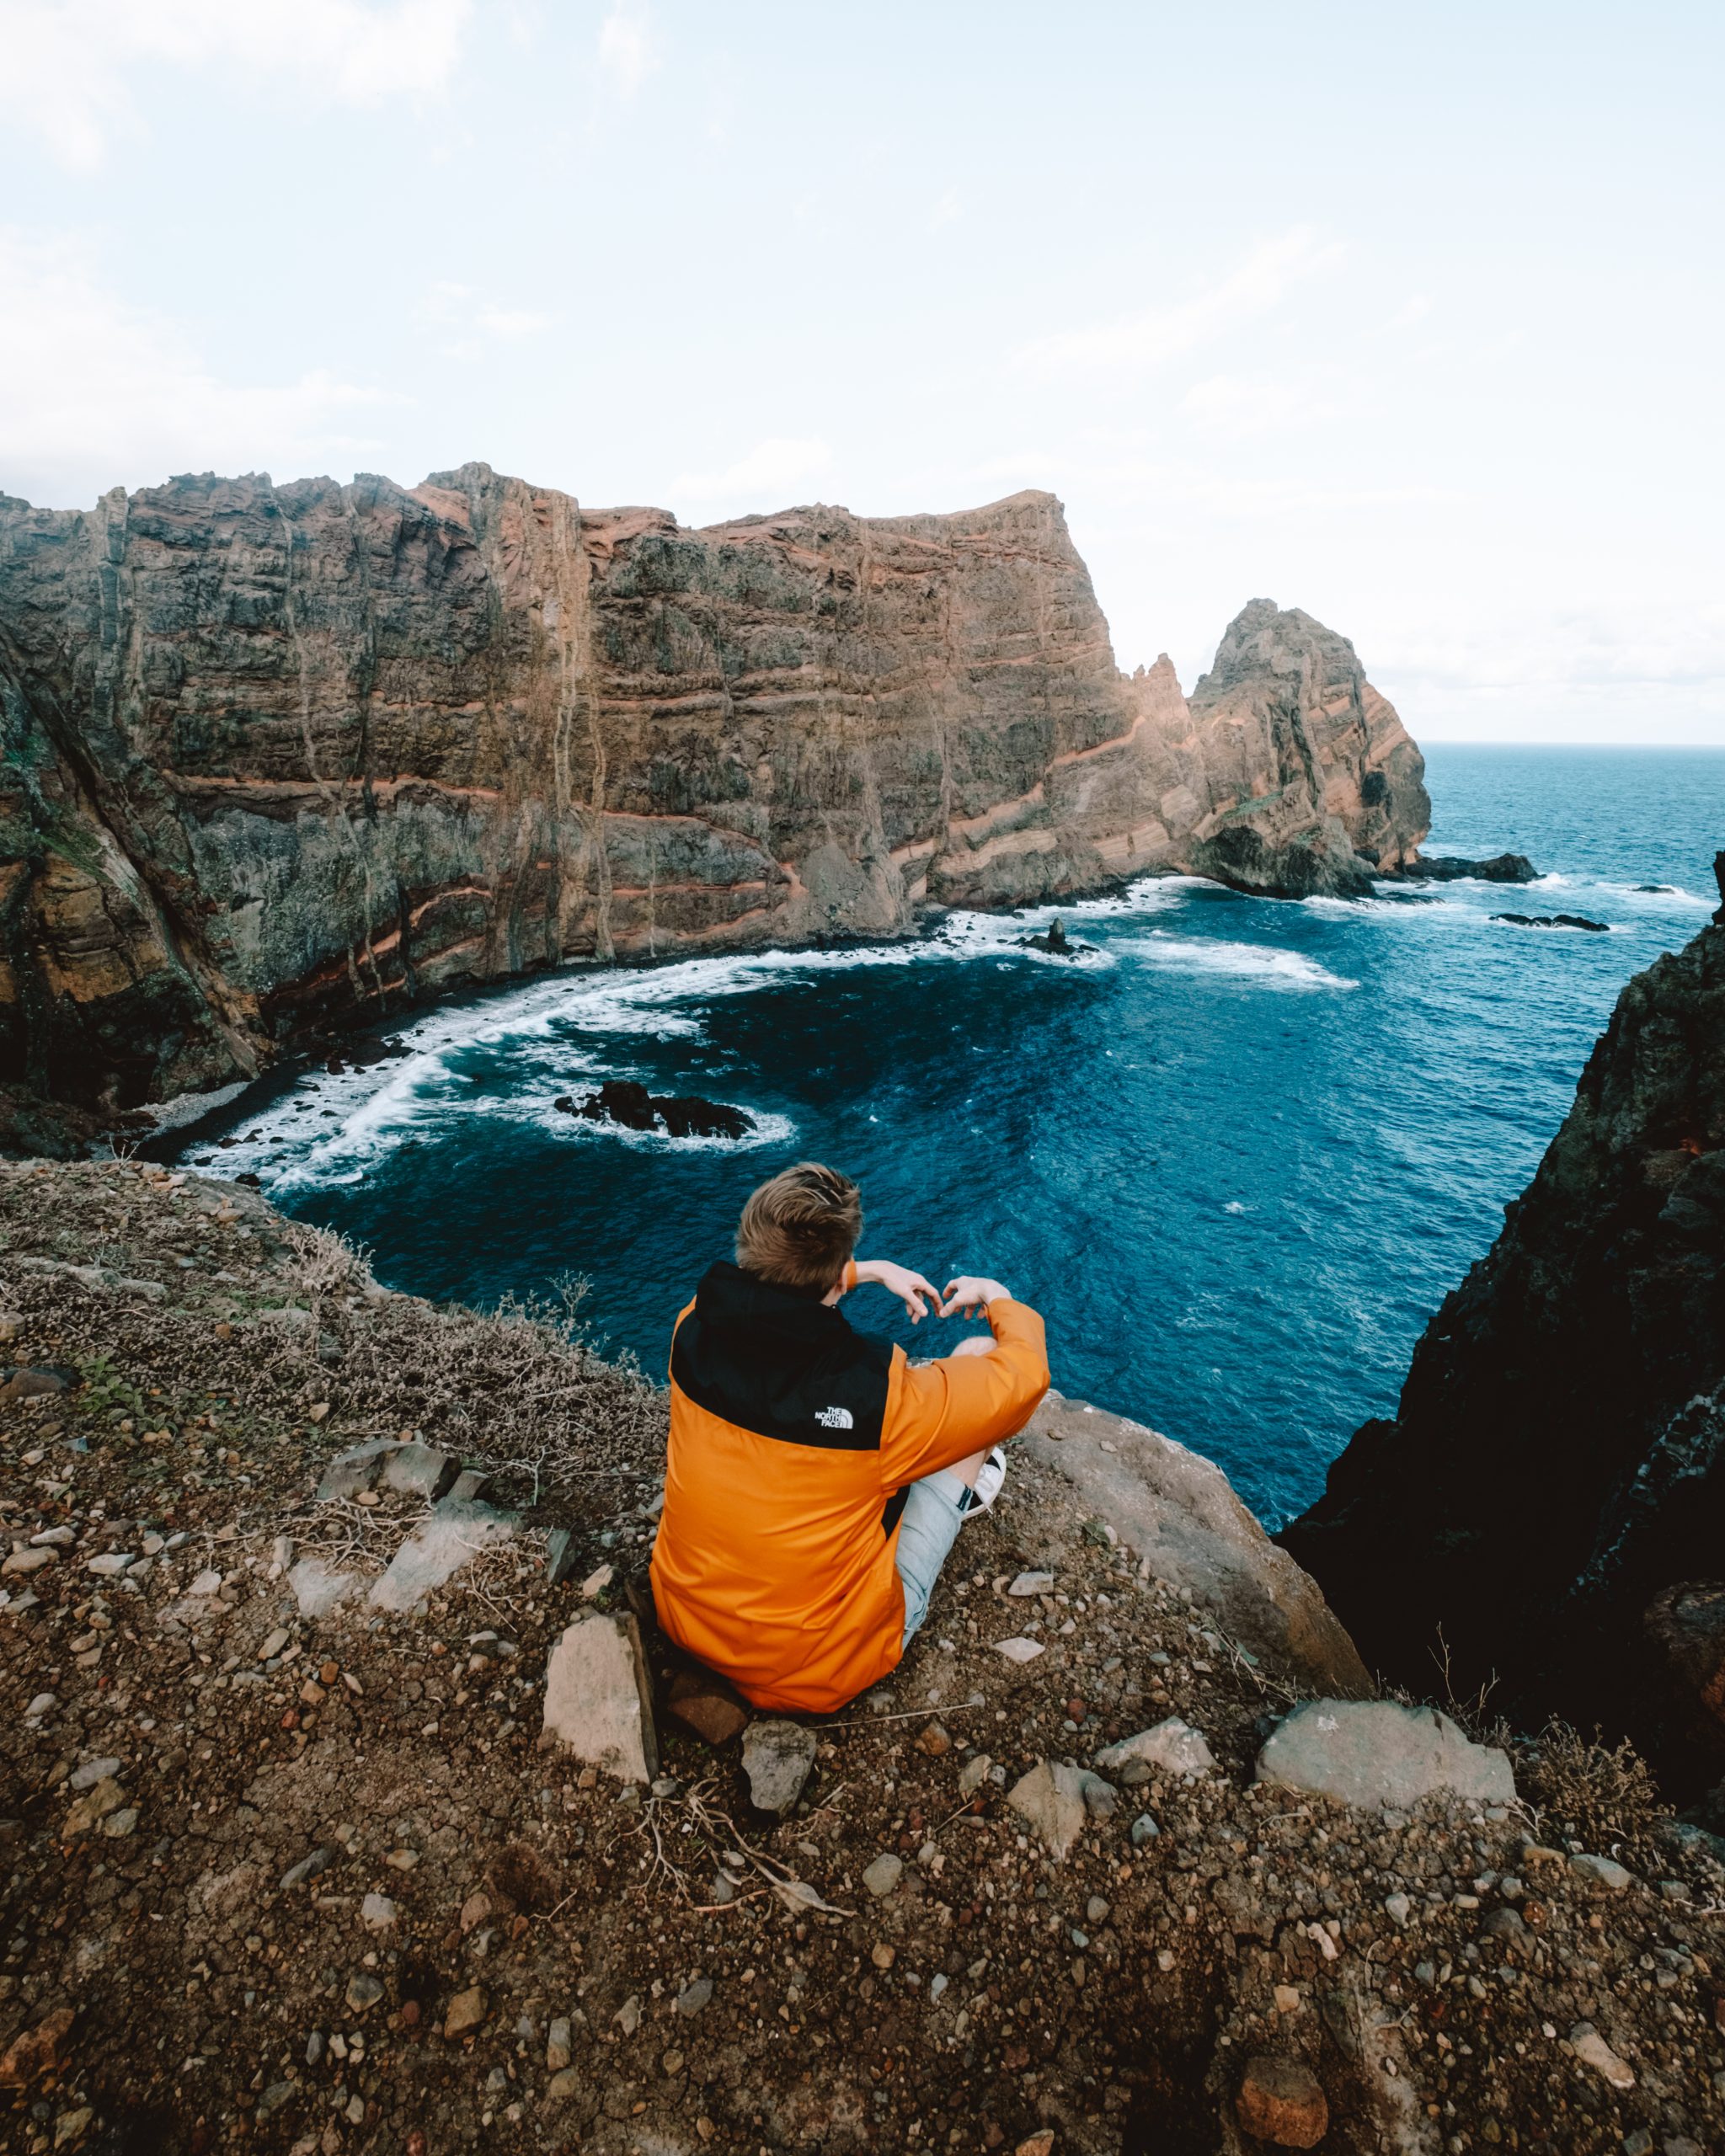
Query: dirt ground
pixel 494 1946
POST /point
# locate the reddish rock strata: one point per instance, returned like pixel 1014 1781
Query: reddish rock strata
pixel 277 756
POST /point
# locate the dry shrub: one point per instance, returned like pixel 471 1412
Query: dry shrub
pixel 522 1876
pixel 1588 1791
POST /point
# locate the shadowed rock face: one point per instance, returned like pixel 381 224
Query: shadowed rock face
pixel 1552 1494
pixel 281 757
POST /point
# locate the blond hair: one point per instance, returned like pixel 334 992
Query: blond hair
pixel 798 1230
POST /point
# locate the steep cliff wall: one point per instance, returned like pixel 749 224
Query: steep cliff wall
pixel 1552 1494
pixel 278 756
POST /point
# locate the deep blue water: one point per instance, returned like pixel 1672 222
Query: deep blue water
pixel 1236 1158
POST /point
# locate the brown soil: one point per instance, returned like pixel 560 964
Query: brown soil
pixel 1114 1998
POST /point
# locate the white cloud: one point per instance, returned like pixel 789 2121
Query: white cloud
pixel 68 63
pixel 478 320
pixel 629 49
pixel 1235 405
pixel 1415 309
pixel 763 478
pixel 1156 335
pixel 93 392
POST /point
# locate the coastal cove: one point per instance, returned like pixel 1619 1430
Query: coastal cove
pixel 1238 1152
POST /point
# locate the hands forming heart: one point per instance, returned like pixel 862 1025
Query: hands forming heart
pixel 968 1293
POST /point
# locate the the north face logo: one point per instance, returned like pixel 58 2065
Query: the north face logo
pixel 834 1418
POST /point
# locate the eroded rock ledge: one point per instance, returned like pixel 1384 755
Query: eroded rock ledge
pixel 282 757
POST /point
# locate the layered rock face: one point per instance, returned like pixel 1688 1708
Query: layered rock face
pixel 1551 1498
pixel 279 757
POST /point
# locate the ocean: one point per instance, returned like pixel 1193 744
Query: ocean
pixel 1236 1154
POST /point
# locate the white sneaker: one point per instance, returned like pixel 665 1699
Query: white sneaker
pixel 987 1486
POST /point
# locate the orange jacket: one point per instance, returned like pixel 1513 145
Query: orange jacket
pixel 792 1441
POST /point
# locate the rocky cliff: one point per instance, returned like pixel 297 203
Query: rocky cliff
pixel 1549 1505
pixel 276 757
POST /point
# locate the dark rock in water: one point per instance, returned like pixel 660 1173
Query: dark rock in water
pixel 252 1182
pixel 1451 869
pixel 627 1102
pixel 1553 921
pixel 1663 890
pixel 1553 1484
pixel 1057 944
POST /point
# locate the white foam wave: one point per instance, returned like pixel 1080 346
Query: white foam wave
pixel 1264 964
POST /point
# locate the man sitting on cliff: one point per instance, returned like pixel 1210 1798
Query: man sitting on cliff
pixel 815 1480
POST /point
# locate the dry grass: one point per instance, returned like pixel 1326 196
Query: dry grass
pixel 1584 1789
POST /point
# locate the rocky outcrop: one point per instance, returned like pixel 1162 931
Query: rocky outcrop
pixel 1548 1507
pixel 1315 786
pixel 1180 1512
pixel 279 758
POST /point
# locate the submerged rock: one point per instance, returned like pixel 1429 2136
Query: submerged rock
pixel 1057 944
pixel 1553 921
pixel 626 1102
pixel 1451 869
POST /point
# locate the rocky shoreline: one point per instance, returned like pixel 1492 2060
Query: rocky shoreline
pixel 278 760
pixel 1110 1865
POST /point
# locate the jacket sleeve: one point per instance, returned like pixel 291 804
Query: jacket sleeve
pixel 958 1406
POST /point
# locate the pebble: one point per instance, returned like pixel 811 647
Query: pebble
pixel 44 1703
pixel 53 1538
pixel 377 1913
pixel 92 1772
pixel 1096 1910
pixel 1019 1650
pixel 111 1562
pixel 1144 1830
pixel 1029 1583
pixel 206 1582
pixel 364 1990
pixel 1399 1910
pixel 29 1560
pixel 628 2016
pixel 934 1742
pixel 120 1823
pixel 308 1867
pixel 274 1643
pixel 596 1582
pixel 563 2085
pixel 1280 2101
pixel 884 1874
pixel 557 2044
pixel 693 1997
pixel 467 2010
pixel 1591 2048
pixel 973 1773
pixel 883 1955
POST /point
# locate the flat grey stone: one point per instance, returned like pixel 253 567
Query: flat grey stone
pixel 350 1472
pixel 308 1867
pixel 418 1470
pixel 1172 1745
pixel 1604 1872
pixel 1028 1583
pixel 455 1532
pixel 1144 1830
pixel 318 1587
pixel 92 1772
pixel 778 1757
pixel 1373 1752
pixel 599 1697
pixel 560 1555
pixel 471 1482
pixel 693 1997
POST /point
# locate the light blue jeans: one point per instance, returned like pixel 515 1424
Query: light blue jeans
pixel 928 1527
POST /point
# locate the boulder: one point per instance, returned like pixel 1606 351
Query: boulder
pixel 354 1470
pixel 778 1757
pixel 1451 869
pixel 1179 1512
pixel 1281 2101
pixel 1172 1745
pixel 599 1697
pixel 1376 1753
pixel 626 1102
pixel 418 1470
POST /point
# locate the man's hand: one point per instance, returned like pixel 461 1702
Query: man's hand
pixel 970 1292
pixel 912 1290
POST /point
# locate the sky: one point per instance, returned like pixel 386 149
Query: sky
pixel 1409 315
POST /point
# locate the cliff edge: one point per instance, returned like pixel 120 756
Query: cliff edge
pixel 1548 1507
pixel 281 758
